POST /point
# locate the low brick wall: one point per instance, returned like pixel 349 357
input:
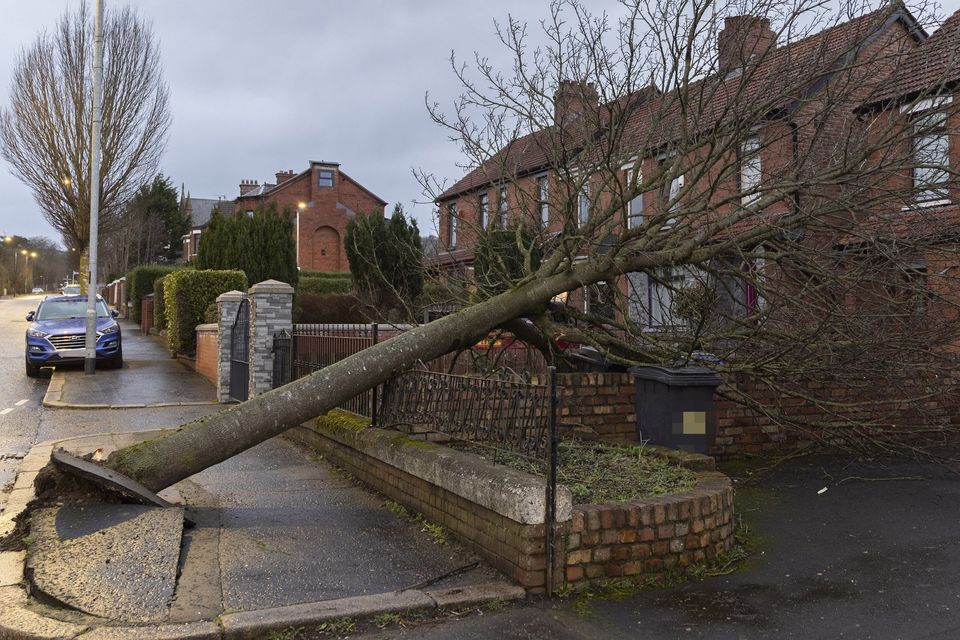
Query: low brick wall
pixel 208 353
pixel 498 512
pixel 146 314
pixel 653 537
pixel 603 403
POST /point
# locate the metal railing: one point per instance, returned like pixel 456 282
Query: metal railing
pixel 498 412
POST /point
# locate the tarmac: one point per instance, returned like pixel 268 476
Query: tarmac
pixel 281 540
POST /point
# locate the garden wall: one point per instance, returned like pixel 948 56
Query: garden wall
pixel 602 405
pixel 208 351
pixel 499 513
pixel 651 537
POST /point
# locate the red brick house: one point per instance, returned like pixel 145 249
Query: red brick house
pixel 322 198
pixel 520 182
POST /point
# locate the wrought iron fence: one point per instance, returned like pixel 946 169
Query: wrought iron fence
pixel 500 412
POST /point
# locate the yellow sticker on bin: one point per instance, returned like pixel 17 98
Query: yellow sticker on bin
pixel 694 423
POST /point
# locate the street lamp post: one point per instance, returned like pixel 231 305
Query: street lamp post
pixel 90 343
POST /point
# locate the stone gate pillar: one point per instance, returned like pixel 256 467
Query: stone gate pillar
pixel 271 309
pixel 227 305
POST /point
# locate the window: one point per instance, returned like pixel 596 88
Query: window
pixel 196 242
pixel 249 213
pixel 452 225
pixel 755 300
pixel 600 300
pixel 669 197
pixel 635 206
pixel 542 196
pixel 749 170
pixel 584 205
pixel 325 178
pixel 662 291
pixel 931 154
pixel 484 210
pixel 502 207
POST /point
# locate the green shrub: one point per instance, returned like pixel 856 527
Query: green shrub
pixel 187 294
pixel 334 275
pixel 212 314
pixel 329 308
pixel 159 313
pixel 140 284
pixel 316 284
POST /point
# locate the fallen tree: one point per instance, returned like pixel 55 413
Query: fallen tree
pixel 793 227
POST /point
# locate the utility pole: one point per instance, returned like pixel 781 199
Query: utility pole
pixel 90 344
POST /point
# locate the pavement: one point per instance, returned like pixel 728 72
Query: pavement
pixel 161 381
pixel 280 537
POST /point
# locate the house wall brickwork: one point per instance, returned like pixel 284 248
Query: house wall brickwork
pixel 321 223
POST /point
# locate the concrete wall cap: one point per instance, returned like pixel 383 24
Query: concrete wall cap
pixel 513 494
pixel 271 286
pixel 231 296
pixel 208 327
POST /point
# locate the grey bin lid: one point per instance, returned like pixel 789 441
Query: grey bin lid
pixel 679 377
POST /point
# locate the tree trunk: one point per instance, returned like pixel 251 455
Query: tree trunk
pixel 212 439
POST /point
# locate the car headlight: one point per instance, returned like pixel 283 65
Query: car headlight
pixel 36 333
pixel 111 329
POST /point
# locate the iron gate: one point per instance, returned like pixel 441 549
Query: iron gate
pixel 240 354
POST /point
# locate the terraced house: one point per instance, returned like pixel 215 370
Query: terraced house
pixel 835 147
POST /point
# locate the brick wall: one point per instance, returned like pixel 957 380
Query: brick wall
pixel 636 539
pixel 646 538
pixel 208 354
pixel 603 404
pixel 600 402
pixel 146 315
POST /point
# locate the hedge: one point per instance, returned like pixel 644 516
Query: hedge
pixel 159 308
pixel 324 284
pixel 335 308
pixel 140 284
pixel 330 275
pixel 186 295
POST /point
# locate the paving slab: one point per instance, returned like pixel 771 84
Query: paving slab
pixel 115 561
pixel 150 377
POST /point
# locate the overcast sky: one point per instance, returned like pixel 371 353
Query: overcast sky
pixel 258 86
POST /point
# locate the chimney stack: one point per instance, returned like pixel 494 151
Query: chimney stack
pixel 246 186
pixel 743 39
pixel 572 99
pixel 283 176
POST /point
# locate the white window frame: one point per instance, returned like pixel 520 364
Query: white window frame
pixel 635 205
pixel 452 225
pixel 324 174
pixel 667 281
pixel 932 146
pixel 502 206
pixel 583 206
pixel 751 170
pixel 484 210
pixel 543 194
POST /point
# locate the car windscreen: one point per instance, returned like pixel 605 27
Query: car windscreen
pixel 67 308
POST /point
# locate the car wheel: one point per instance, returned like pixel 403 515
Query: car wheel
pixel 33 370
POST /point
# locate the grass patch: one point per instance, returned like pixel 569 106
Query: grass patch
pixel 384 620
pixel 598 473
pixel 437 533
pixel 396 508
pixel 337 420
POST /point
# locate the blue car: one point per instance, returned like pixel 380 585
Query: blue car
pixel 57 334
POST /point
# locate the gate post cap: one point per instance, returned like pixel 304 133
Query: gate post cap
pixel 271 286
pixel 231 296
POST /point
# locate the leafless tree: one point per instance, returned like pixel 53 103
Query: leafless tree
pixel 45 129
pixel 648 107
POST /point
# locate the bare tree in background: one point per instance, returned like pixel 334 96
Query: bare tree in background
pixel 648 107
pixel 45 129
